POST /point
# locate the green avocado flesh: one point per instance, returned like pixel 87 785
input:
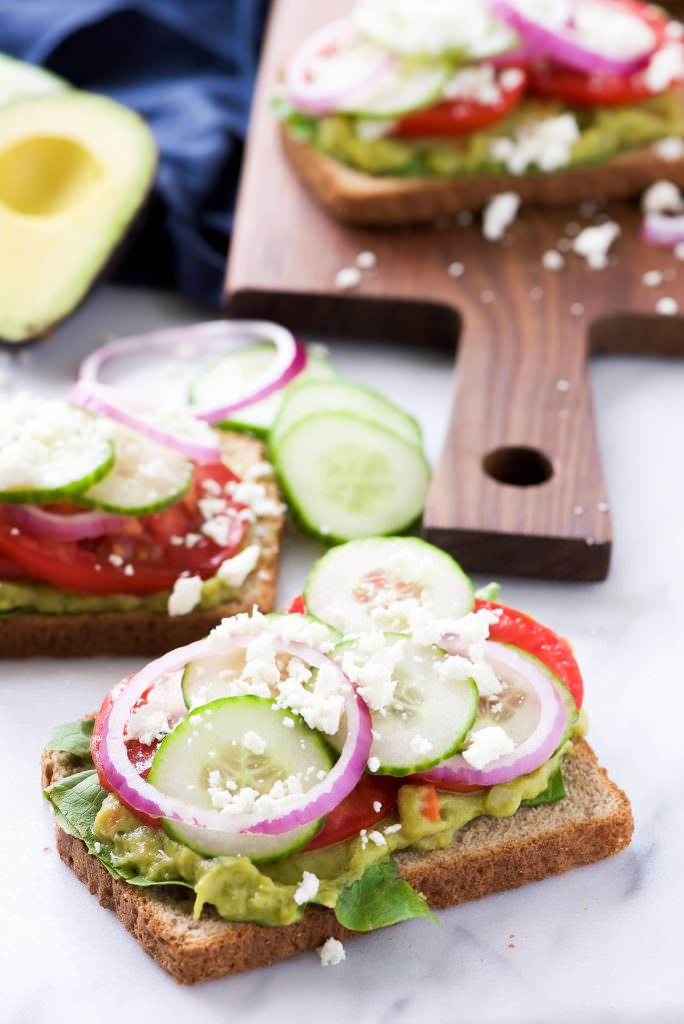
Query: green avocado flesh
pixel 47 600
pixel 74 170
pixel 604 133
pixel 241 891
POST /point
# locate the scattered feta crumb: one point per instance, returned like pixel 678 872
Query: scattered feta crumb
pixel 455 269
pixel 419 745
pixel 115 560
pixel 259 471
pixel 377 806
pixel 499 213
pixel 665 67
pixel 669 149
pixel 347 278
pixel 366 260
pixel 307 890
pixel 652 278
pixel 234 571
pixel 487 745
pixel 552 260
pixel 373 764
pixel 679 251
pixel 667 306
pixel 377 838
pixel 576 309
pixel 332 952
pixel 392 829
pixel 562 384
pixel 602 506
pixel 594 243
pixel 186 595
pixel 662 197
pixel 254 742
pixel 546 144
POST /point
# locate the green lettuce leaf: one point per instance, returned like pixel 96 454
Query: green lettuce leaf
pixel 73 738
pixel 76 801
pixel 553 792
pixel 379 898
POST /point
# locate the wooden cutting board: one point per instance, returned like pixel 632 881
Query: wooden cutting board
pixel 519 487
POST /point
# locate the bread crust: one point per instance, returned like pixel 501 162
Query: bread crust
pixel 81 635
pixel 358 198
pixel 489 855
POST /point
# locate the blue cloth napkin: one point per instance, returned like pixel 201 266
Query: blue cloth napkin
pixel 188 67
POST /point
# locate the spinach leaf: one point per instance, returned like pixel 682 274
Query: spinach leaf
pixel 553 792
pixel 76 801
pixel 379 898
pixel 73 738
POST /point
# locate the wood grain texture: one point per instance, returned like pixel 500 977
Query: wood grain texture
pixel 523 336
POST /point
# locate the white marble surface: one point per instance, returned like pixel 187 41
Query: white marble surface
pixel 602 943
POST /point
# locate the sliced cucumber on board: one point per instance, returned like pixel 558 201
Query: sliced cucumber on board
pixel 337 395
pixel 349 581
pixel 212 740
pixel 50 450
pixel 347 477
pixel 428 718
pixel 401 90
pixel 228 377
pixel 146 477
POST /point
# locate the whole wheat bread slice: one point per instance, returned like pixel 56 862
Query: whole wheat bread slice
pixel 487 856
pixel 31 634
pixel 358 198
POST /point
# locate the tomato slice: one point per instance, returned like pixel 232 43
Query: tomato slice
pixel 140 756
pixel 357 811
pixel 513 627
pixel 460 116
pixel 297 606
pixel 146 544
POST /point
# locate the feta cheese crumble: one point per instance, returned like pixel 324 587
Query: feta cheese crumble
pixel 670 149
pixel 347 278
pixel 662 197
pixel 487 745
pixel 253 742
pixel 234 571
pixel 593 243
pixel 546 145
pixel 419 745
pixel 185 596
pixel 332 952
pixel 499 214
pixel 307 889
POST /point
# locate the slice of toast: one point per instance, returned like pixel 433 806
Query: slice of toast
pixel 358 198
pixel 80 635
pixel 488 855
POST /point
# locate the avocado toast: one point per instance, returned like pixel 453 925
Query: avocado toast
pixel 289 781
pixel 406 111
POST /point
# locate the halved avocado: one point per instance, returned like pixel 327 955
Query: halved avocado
pixel 74 170
pixel 19 80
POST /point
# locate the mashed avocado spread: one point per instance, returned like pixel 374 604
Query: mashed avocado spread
pixel 242 891
pixel 604 132
pixel 41 597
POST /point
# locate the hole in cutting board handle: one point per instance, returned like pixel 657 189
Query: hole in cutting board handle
pixel 518 466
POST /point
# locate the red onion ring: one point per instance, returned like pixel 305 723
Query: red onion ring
pixel 340 33
pixel 141 796
pixel 559 44
pixel 90 393
pixel 532 752
pixel 38 522
pixel 663 229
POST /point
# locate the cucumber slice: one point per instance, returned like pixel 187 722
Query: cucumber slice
pixel 230 375
pixel 404 88
pixel 427 720
pixel 146 477
pixel 458 30
pixel 346 584
pixel 50 449
pixel 303 399
pixel 347 477
pixel 212 740
pixel 207 680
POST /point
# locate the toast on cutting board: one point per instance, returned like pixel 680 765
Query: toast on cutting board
pixel 31 634
pixel 489 855
pixel 364 199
